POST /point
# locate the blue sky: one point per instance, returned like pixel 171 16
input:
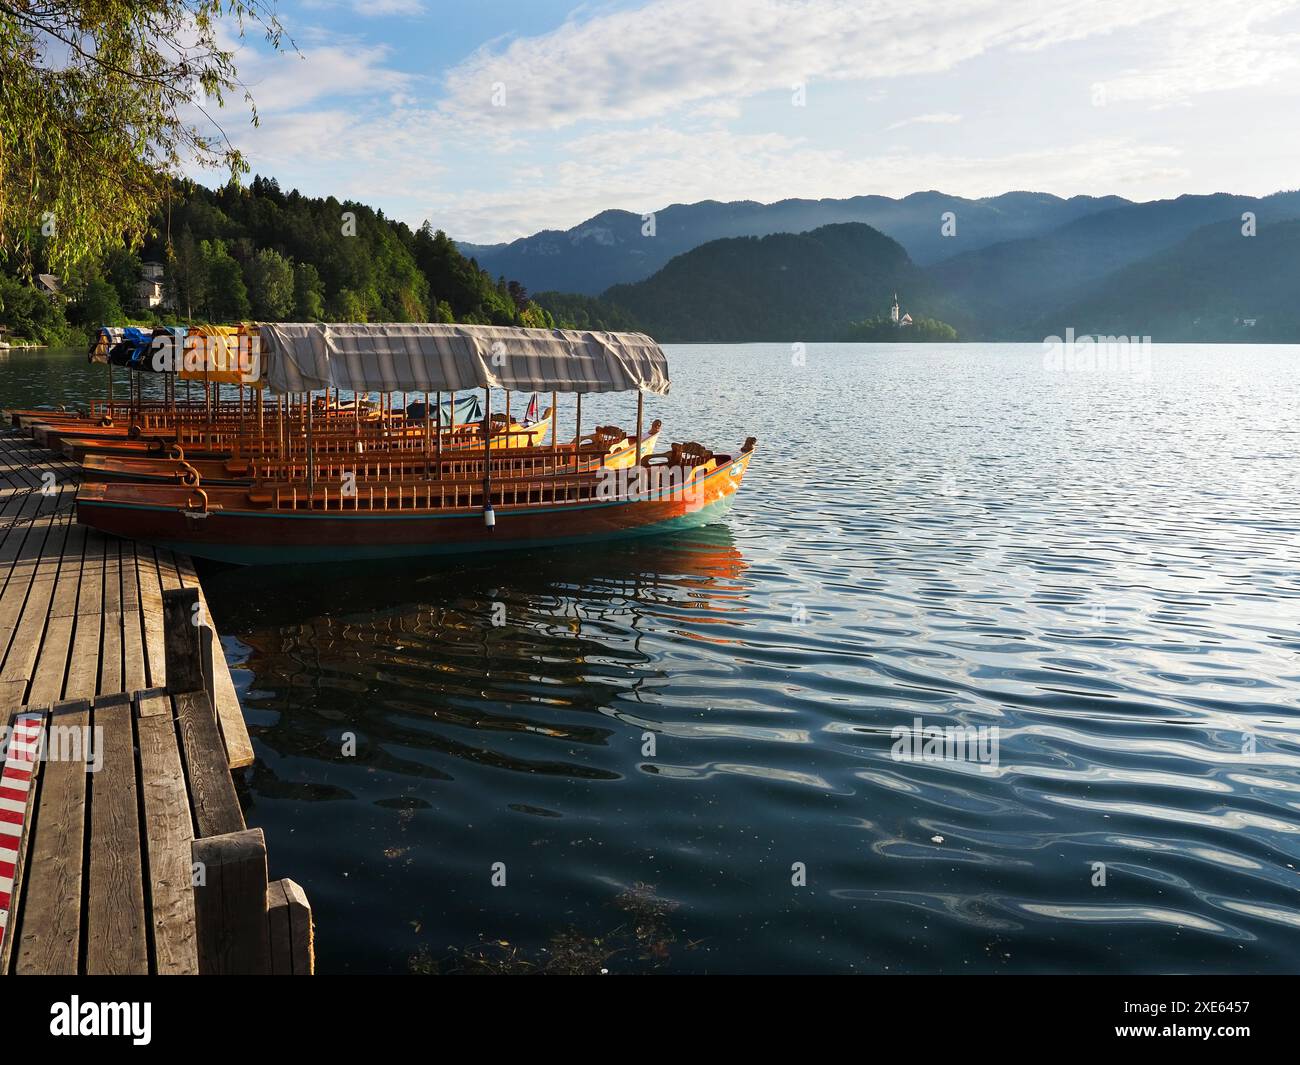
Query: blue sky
pixel 496 119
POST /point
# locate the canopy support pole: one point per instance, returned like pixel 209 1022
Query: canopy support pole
pixel 487 444
pixel 640 411
pixel 577 435
pixel 311 459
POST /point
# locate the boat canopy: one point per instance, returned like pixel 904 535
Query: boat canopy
pixel 418 357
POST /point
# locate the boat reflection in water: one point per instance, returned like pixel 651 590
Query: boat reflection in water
pixel 519 741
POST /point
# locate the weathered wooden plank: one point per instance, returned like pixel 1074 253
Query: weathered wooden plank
pixel 110 654
pixel 50 933
pixel 115 917
pixel 152 611
pixel 135 673
pixel 13 598
pixel 64 603
pixel 112 576
pixel 230 904
pixel 130 579
pixel 169 833
pixel 29 633
pixel 212 792
pixel 82 681
pixel 52 666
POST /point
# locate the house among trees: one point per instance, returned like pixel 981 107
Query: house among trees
pixel 149 292
pixel 50 285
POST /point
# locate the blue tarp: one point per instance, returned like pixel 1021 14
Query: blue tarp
pixel 133 349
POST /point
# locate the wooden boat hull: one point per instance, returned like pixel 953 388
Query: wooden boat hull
pixel 78 448
pixel 154 470
pixel 250 536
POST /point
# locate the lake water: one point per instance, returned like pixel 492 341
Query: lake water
pixel 1102 566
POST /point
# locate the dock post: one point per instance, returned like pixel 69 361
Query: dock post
pixel 289 915
pixel 230 904
pixel 182 641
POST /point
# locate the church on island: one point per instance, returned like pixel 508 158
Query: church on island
pixel 893 314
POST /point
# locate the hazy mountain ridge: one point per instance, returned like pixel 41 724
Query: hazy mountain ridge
pixel 609 247
pixel 1217 284
pixel 1006 289
pixel 1172 269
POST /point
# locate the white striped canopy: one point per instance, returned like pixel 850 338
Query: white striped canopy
pixel 418 357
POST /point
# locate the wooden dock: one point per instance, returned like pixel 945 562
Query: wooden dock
pixel 123 848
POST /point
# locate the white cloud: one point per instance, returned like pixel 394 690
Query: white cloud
pixel 934 118
pixel 669 54
pixel 324 68
pixel 1211 51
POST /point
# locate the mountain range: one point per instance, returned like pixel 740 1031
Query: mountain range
pixel 612 247
pixel 1020 266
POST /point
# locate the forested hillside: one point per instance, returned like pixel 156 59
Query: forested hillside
pixel 1216 285
pixel 787 286
pixel 258 252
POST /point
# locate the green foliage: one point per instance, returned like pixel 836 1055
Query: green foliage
pixel 30 314
pixel 97 306
pixel 122 270
pixel 95 105
pixel 1215 285
pixel 270 278
pixel 233 253
pixel 786 286
pixel 883 330
pixel 571 311
pixel 308 294
pixel 227 296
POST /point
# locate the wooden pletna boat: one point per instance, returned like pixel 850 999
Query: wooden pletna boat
pixel 413 496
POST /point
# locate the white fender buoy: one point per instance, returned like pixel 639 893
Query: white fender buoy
pixel 489 516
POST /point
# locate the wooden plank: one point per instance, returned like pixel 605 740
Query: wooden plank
pixel 230 904
pixel 115 917
pixel 130 580
pixel 13 599
pixel 135 672
pixel 83 663
pixel 216 806
pixel 50 933
pixel 169 832
pixel 234 730
pixel 152 611
pixel 52 666
pixel 110 654
pixel 29 633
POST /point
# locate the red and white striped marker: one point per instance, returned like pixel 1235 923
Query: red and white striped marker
pixel 15 786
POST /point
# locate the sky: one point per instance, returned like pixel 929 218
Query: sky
pixel 494 119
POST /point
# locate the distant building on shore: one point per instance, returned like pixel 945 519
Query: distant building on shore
pixel 149 292
pixel 905 320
